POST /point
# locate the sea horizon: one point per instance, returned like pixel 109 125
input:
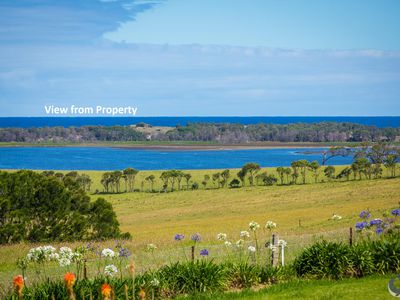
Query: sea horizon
pixel 172 121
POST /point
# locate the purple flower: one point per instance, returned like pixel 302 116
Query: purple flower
pixel 204 252
pixel 361 225
pixel 365 214
pixel 179 237
pixel 376 222
pixel 123 252
pixel 379 230
pixel 196 237
pixel 396 212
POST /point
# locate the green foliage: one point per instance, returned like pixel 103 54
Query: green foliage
pixel 338 260
pixel 323 259
pixel 243 275
pixel 193 277
pixel 37 207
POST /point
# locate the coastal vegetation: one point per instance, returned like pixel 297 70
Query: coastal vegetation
pixel 206 132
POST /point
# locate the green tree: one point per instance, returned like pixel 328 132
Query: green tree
pixel 281 173
pixel 329 172
pixel 225 175
pixel 151 179
pixel 314 167
pixel 129 176
pixel 187 178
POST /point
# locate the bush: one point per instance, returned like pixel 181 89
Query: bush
pixel 337 260
pixel 242 275
pixel 193 277
pixel 323 259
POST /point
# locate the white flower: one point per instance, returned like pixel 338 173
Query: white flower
pixel 239 243
pixel 244 234
pixel 221 236
pixel 41 254
pixel 110 270
pixel 228 244
pixel 76 256
pixel 155 282
pixel 254 226
pixel 54 256
pixel 251 249
pixel 270 225
pixel 107 253
pixel 151 247
pixel 282 243
pixel 64 262
pixel 336 217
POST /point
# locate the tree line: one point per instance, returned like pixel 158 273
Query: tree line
pixel 368 163
pixel 208 132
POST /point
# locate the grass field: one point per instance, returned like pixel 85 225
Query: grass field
pixel 369 288
pixel 303 214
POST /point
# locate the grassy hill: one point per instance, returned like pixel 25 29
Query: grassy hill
pixel 302 212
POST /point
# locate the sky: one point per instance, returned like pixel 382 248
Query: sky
pixel 202 57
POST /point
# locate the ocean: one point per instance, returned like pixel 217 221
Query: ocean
pixel 26 122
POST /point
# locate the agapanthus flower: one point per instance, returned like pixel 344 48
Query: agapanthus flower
pixel 375 222
pixel 110 270
pixel 365 214
pixel 151 247
pixel 282 243
pixel 251 249
pixel 221 236
pixel 270 225
pixel 64 262
pixel 396 212
pixel 228 244
pixel 254 226
pixel 41 254
pixel 65 252
pixel 107 253
pixel 196 237
pixel 361 225
pixel 379 230
pixel 179 237
pixel 204 252
pixel 244 234
pixel 239 243
pixel 123 252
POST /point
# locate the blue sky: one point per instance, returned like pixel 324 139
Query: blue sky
pixel 201 57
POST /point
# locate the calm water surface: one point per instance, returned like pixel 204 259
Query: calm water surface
pixel 103 158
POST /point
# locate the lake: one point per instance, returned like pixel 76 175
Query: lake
pixel 107 158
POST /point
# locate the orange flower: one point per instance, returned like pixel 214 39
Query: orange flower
pixel 18 282
pixel 106 290
pixel 69 279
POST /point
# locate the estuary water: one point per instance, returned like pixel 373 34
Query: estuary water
pixel 107 158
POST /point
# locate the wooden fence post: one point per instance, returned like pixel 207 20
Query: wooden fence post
pixel 192 253
pixel 275 250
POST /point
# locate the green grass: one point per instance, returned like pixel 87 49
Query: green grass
pixel 374 287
